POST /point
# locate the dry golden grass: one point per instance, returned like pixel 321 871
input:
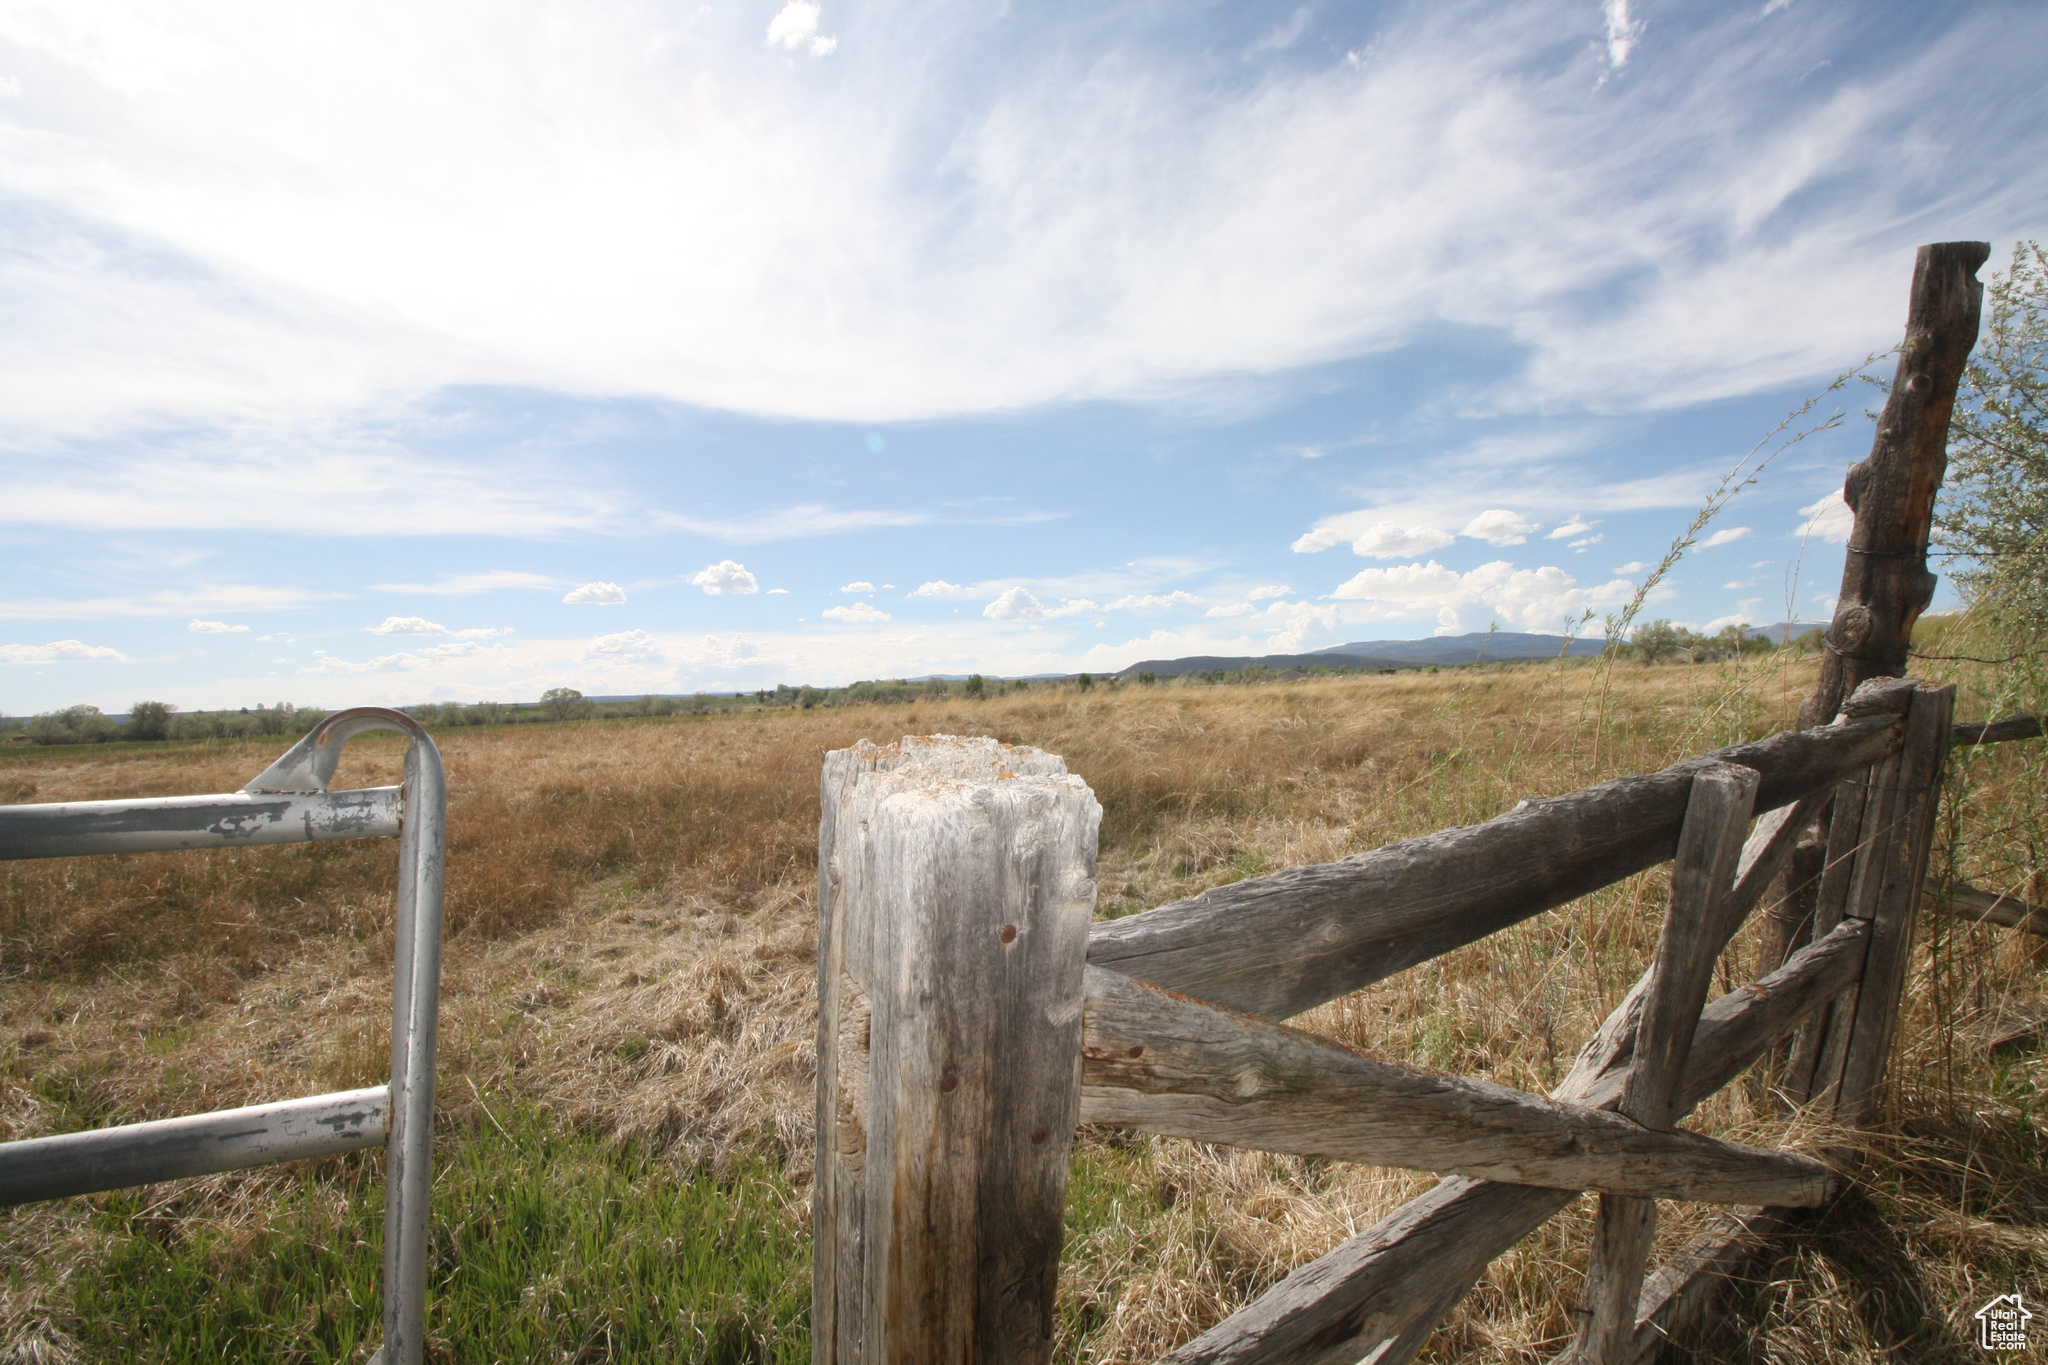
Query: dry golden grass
pixel 631 946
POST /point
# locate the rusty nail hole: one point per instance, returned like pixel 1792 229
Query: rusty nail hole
pixel 1138 1051
pixel 949 1083
pixel 1009 934
pixel 1038 1138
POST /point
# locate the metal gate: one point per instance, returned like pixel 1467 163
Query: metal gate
pixel 288 803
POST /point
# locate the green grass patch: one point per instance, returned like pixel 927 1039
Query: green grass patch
pixel 546 1247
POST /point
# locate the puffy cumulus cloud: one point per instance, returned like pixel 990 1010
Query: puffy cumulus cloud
pixel 407 625
pixel 1015 604
pixel 726 578
pixel 939 587
pixel 1633 566
pixel 1727 537
pixel 1386 540
pixel 1294 623
pixel 60 652
pixel 634 647
pixel 1744 617
pixel 1588 542
pixel 1144 602
pixel 483 632
pixel 214 628
pixel 1534 599
pixel 795 26
pixel 857 612
pixel 719 651
pixel 1577 526
pixel 1829 519
pixel 1376 540
pixel 601 594
pixel 405 662
pixel 1499 526
pixel 859 585
pixel 1270 590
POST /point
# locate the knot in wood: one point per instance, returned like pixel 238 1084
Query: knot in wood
pixel 1009 933
pixel 949 1083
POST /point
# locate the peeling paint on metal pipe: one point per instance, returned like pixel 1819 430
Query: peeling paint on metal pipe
pixel 62 829
pixel 196 1144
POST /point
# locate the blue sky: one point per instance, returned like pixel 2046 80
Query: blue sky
pixel 396 352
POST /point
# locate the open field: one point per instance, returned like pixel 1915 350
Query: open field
pixel 626 1067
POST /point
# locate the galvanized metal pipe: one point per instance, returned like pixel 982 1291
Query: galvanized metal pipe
pixel 288 803
pixel 415 1028
pixel 63 829
pixel 196 1144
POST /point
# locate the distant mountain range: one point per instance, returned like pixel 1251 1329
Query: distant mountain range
pixel 1438 649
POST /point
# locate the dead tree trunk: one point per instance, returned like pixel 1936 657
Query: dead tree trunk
pixel 1885 582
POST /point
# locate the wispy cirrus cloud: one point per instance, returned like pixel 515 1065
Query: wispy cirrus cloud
pixel 788 523
pixel 1190 228
pixel 60 652
pixel 471 584
pixel 237 597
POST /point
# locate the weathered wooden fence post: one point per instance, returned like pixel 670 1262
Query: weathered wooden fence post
pixel 1702 877
pixel 956 886
pixel 1885 581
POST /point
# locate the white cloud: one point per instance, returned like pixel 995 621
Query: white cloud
pixel 60 652
pixel 1726 537
pixel 634 647
pixel 407 625
pixel 601 594
pixel 772 592
pixel 1829 519
pixel 469 584
pixel 1576 526
pixel 1016 604
pixel 939 587
pixel 483 632
pixel 1523 599
pixel 214 628
pixel 1385 540
pixel 858 611
pixel 1588 542
pixel 726 578
pixel 824 45
pixel 1622 33
pixel 796 25
pixel 432 656
pixel 1184 229
pixel 1721 623
pixel 166 602
pixel 1270 590
pixel 1499 526
pixel 1149 601
pixel 789 523
pixel 1297 622
pixel 1633 566
pixel 1232 609
pixel 860 585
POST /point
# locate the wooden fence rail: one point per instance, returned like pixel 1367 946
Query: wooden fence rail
pixel 970 1016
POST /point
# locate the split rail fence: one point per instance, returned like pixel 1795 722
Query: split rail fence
pixel 971 1015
